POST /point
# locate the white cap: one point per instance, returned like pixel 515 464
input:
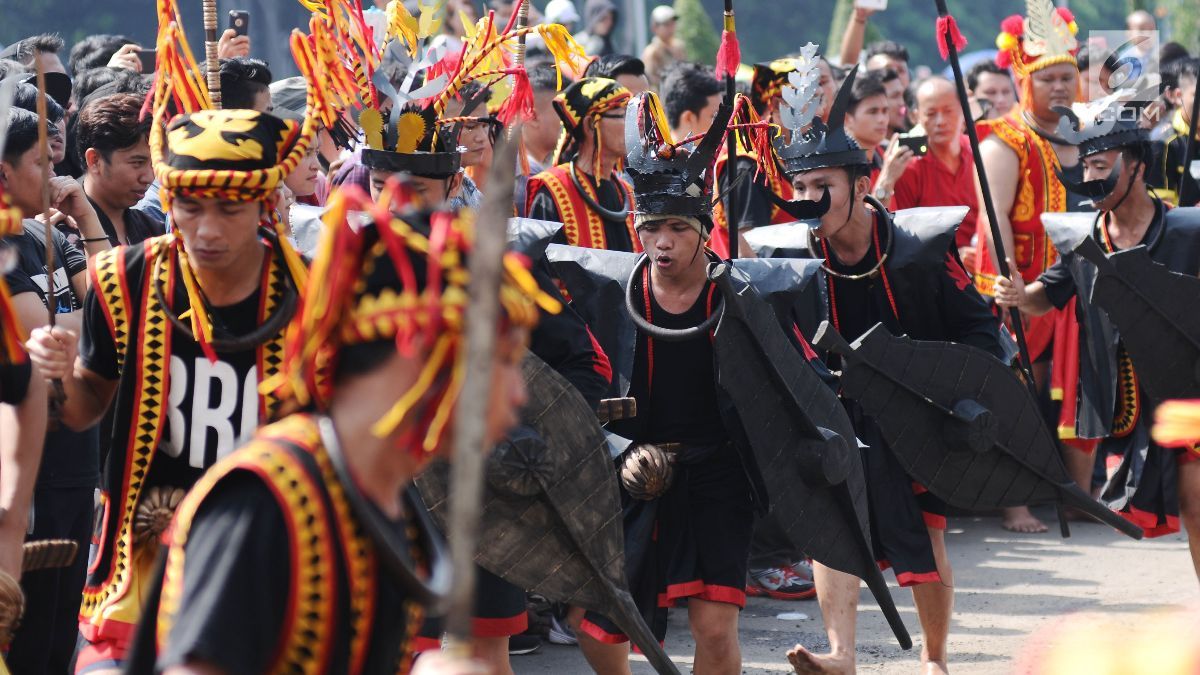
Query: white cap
pixel 561 11
pixel 663 14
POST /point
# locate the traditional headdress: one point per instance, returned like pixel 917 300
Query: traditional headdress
pixel 243 155
pixel 1043 38
pixel 668 178
pixel 584 102
pixel 1101 126
pixel 396 278
pixel 1098 127
pixel 813 143
pixel 768 80
pixel 801 94
pixel 418 138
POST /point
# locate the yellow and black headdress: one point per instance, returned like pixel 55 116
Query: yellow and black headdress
pixel 401 279
pixel 244 155
pixel 769 79
pixel 419 138
pixel 584 102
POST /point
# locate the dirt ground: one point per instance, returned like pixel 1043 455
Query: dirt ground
pixel 1009 587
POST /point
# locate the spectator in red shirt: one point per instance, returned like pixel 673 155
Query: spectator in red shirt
pixel 945 175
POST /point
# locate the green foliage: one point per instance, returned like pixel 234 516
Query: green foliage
pixel 696 30
pixel 1184 22
pixel 769 28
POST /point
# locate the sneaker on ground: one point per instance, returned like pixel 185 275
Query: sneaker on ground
pixel 523 644
pixel 561 633
pixel 803 569
pixel 780 584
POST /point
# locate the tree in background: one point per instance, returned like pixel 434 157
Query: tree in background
pixel 1184 22
pixel 697 32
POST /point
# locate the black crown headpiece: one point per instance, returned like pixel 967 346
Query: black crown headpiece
pixel 822 145
pixel 669 179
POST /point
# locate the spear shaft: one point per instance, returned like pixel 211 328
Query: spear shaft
pixel 948 28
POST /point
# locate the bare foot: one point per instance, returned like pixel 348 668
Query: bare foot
pixel 934 668
pixel 1020 519
pixel 807 663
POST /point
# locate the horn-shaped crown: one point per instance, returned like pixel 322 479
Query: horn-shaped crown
pixel 1101 126
pixel 668 179
pixel 821 145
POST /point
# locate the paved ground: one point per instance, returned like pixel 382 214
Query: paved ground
pixel 1008 587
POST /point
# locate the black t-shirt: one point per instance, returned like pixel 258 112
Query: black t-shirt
pixel 139 226
pixel 854 302
pixel 14 382
pixel 236 581
pixel 70 459
pixel 211 407
pixel 675 383
pixel 30 275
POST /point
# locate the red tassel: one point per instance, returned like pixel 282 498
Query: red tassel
pixel 944 24
pixel 519 103
pixel 729 56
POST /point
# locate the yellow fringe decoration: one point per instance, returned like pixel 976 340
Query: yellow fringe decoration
pixel 569 55
pixel 394 417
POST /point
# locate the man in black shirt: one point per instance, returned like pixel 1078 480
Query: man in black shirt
pixel 112 143
pixel 70 467
pixel 690 539
pixel 1165 488
pixel 322 499
pixel 912 282
pixel 177 334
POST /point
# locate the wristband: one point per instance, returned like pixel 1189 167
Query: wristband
pixel 88 240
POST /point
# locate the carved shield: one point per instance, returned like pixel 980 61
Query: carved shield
pixel 960 422
pixel 800 436
pixel 552 510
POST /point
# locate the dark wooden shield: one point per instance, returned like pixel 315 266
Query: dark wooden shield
pixel 552 510
pixel 801 439
pixel 960 422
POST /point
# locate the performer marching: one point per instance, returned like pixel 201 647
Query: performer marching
pixel 584 189
pixel 179 331
pixel 686 537
pixel 371 371
pixel 911 280
pixel 1116 155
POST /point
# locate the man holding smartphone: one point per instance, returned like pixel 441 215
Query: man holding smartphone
pixel 943 175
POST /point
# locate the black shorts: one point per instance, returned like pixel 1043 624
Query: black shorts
pixel 901 510
pixel 499 612
pixel 693 542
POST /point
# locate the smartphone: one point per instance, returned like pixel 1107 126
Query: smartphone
pixel 239 21
pixel 877 5
pixel 148 58
pixel 918 144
